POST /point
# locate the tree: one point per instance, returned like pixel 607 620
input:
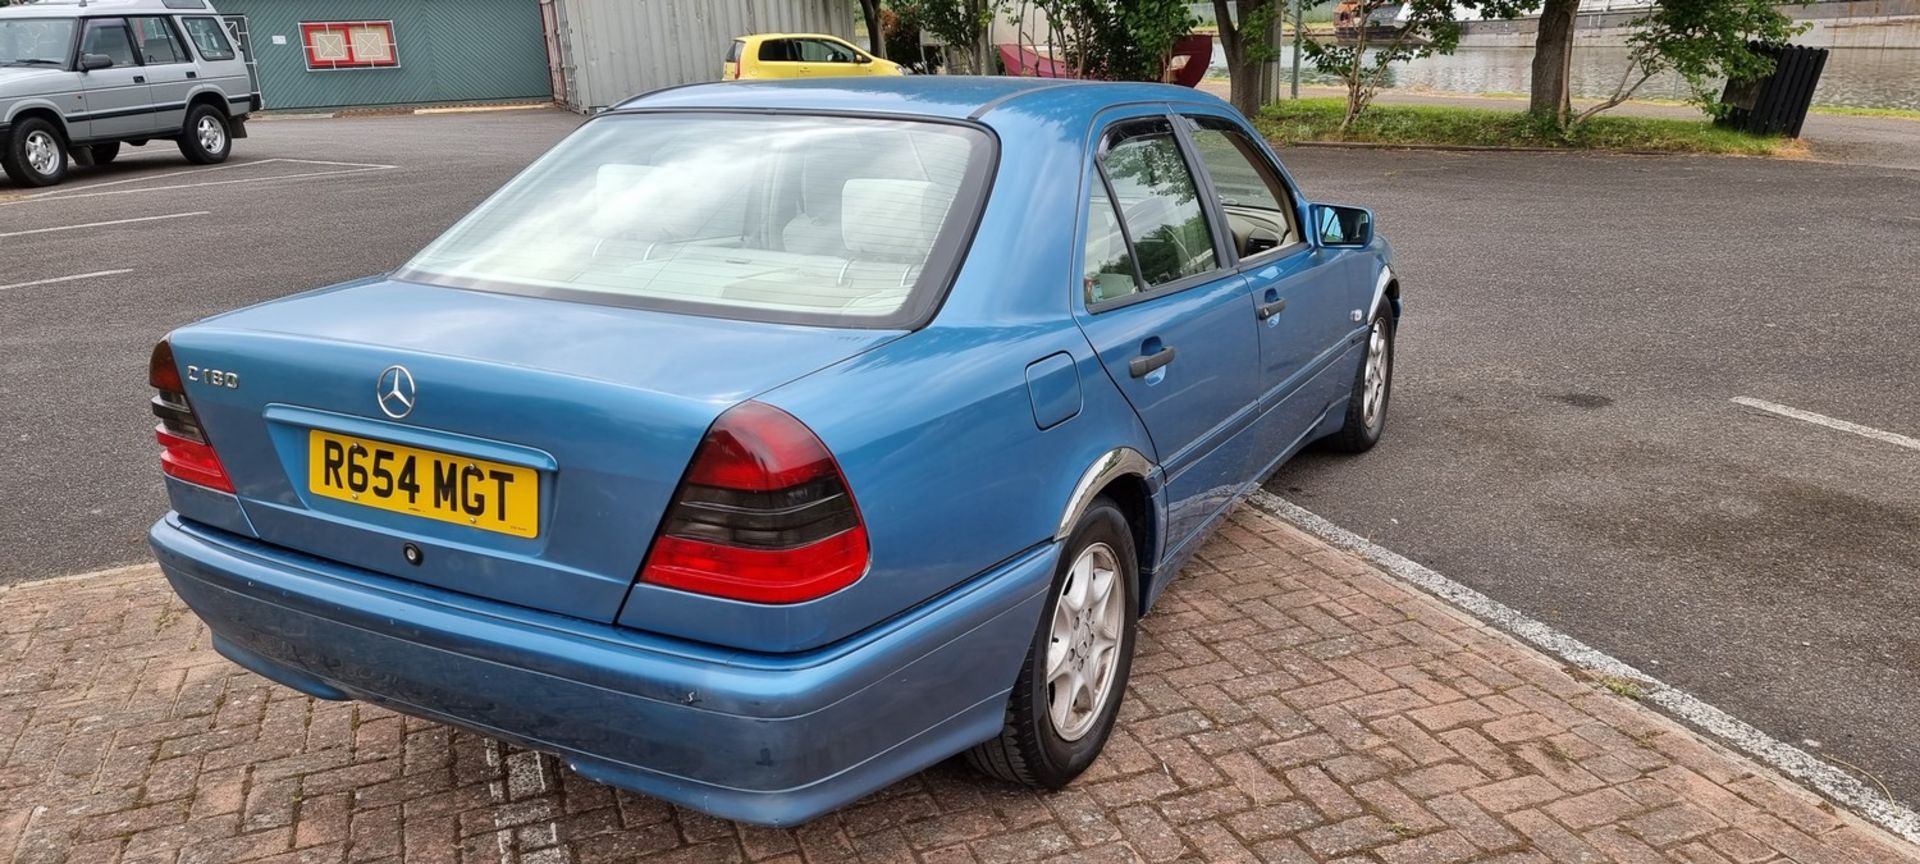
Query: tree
pixel 876 27
pixel 1551 96
pixel 1424 28
pixel 1248 46
pixel 1706 42
pixel 960 24
pixel 1113 39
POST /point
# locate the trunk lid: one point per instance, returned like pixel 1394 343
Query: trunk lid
pixel 546 437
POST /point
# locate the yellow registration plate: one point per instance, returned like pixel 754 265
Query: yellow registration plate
pixel 487 495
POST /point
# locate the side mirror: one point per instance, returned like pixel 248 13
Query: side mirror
pixel 1341 227
pixel 90 62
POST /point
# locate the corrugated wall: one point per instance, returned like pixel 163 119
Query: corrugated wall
pixel 620 48
pixel 450 51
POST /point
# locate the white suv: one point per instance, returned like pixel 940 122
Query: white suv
pixel 80 77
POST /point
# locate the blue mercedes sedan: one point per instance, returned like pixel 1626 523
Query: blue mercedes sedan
pixel 765 443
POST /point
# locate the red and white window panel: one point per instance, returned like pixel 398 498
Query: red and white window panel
pixel 349 44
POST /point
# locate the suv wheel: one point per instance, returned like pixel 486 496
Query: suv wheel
pixel 36 154
pixel 205 140
pixel 1063 706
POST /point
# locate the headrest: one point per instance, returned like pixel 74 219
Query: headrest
pixel 895 219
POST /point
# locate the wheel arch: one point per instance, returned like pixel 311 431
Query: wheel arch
pixel 210 96
pixel 1121 475
pixel 43 111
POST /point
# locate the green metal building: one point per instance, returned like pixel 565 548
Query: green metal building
pixel 314 54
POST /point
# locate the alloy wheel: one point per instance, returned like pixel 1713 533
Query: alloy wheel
pixel 1083 651
pixel 43 153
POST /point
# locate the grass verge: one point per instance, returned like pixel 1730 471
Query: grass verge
pixel 1306 120
pixel 1898 113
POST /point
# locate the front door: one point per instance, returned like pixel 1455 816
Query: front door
pixel 1300 292
pixel 119 102
pixel 1173 326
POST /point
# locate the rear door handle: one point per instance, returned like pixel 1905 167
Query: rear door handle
pixel 1268 310
pixel 139 79
pixel 1140 367
pixel 193 74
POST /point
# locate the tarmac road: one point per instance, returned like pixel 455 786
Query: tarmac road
pixel 1561 438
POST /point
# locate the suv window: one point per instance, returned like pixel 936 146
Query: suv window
pixel 35 41
pixel 155 39
pixel 109 36
pixel 209 37
pixel 821 51
pixel 1249 189
pixel 1159 201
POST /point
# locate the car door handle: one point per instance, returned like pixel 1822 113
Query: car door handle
pixel 1268 310
pixel 1140 367
pixel 193 74
pixel 139 79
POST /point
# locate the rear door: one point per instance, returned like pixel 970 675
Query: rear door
pixel 1173 326
pixel 119 102
pixel 1300 293
pixel 171 74
pixel 780 58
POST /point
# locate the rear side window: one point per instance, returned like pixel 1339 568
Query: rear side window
pixel 209 37
pixel 779 51
pixel 154 38
pixel 1109 272
pixel 832 220
pixel 1159 201
pixel 109 36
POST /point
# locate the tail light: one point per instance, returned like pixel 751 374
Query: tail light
pixel 763 515
pixel 185 453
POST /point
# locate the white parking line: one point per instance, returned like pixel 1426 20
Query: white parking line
pixel 93 275
pixel 87 190
pixel 1894 438
pixel 1786 758
pixel 103 224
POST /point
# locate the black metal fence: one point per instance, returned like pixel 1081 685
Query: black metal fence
pixel 1776 104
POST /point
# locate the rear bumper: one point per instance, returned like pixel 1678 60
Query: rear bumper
pixel 768 739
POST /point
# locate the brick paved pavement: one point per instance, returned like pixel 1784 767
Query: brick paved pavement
pixel 1289 704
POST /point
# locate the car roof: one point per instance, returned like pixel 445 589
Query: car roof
pixel 948 96
pixel 758 37
pixel 77 8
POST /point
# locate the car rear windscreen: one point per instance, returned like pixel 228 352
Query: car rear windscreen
pixel 800 218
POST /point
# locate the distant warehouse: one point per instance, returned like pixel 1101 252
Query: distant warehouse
pixel 587 54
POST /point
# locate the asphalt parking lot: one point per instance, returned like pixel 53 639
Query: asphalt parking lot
pixel 1562 438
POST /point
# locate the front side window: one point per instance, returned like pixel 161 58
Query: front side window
pixel 822 51
pixel 154 39
pixel 209 37
pixel 35 41
pixel 1255 198
pixel 1159 201
pixel 811 219
pixel 109 36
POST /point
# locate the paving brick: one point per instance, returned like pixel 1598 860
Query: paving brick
pixel 1290 706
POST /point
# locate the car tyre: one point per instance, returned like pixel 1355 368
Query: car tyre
pixel 1085 639
pixel 36 153
pixel 1372 388
pixel 105 153
pixel 206 139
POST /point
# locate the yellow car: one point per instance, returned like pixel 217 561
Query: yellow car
pixel 800 55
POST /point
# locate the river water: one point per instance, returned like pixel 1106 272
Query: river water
pixel 1853 77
